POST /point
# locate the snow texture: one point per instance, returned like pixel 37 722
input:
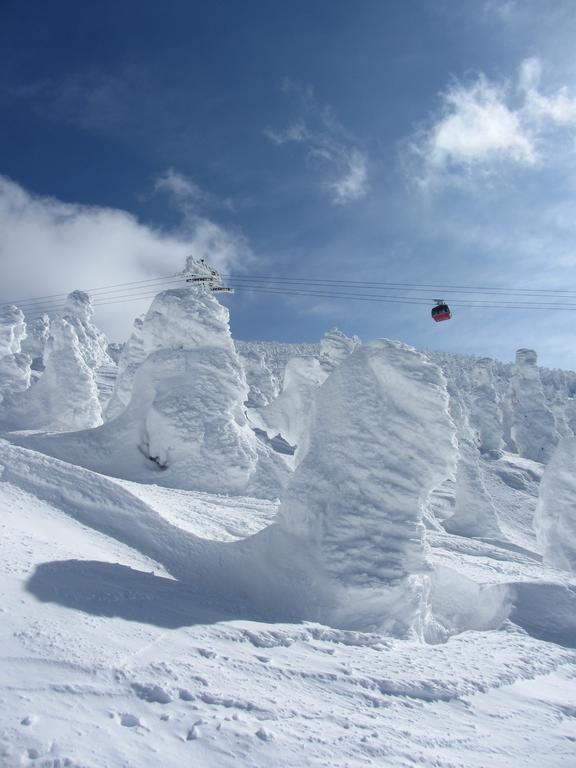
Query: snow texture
pixel 141 617
pixel 486 414
pixel 290 413
pixel 555 518
pixel 15 370
pixel 335 347
pixel 131 358
pixel 79 312
pixel 186 412
pixel 533 427
pixel 12 330
pixel 357 498
pixel 65 397
pixel 34 344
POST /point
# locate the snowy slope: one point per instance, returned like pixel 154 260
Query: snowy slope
pixel 107 661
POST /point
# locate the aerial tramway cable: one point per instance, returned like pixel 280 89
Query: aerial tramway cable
pixel 351 290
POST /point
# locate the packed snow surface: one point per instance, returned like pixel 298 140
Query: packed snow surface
pixel 268 555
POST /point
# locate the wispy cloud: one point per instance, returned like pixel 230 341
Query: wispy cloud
pixel 483 125
pixel 224 247
pixel 341 164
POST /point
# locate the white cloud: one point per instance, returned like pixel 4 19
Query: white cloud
pixel 559 107
pixel 478 125
pixel 483 124
pixel 353 181
pixel 342 165
pixel 50 247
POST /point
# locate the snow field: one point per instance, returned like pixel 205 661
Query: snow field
pixel 178 588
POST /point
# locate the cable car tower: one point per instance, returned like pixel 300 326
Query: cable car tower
pixel 197 271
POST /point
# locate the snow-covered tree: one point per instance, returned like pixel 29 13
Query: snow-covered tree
pixel 14 364
pixel 65 398
pixel 555 519
pixel 533 428
pixel 381 440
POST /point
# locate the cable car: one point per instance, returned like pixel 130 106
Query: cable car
pixel 441 311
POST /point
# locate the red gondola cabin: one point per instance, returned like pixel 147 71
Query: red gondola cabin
pixel 441 312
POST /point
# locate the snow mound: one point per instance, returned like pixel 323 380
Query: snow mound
pixel 357 499
pixel 555 518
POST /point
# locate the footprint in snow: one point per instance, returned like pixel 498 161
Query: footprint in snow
pixel 129 721
pixel 264 735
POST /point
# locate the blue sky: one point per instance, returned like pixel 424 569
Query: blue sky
pixel 409 141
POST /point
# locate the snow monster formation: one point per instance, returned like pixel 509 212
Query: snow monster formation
pixel 79 312
pixel 131 358
pixel 37 334
pixel 189 392
pixel 185 424
pixel 356 502
pixel 555 519
pixel 485 412
pixel 65 397
pixel 335 347
pixel 14 364
pixel 532 428
pixel 289 414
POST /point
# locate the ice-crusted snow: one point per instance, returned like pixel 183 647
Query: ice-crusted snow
pixel 533 427
pixel 65 397
pixel 556 510
pixel 34 344
pixel 357 499
pixel 14 364
pixel 185 424
pixel 335 347
pixel 289 414
pixel 92 343
pixel 12 330
pixel 486 412
pixel 131 358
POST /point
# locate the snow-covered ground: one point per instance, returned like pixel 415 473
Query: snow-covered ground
pixel 109 661
pixel 397 590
